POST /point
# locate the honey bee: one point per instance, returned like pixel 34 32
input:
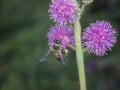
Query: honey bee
pixel 59 52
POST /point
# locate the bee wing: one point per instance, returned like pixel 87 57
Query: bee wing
pixel 63 58
pixel 44 57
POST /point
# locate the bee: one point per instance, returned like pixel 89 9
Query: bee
pixel 58 51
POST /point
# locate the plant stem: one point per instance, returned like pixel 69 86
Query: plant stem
pixel 79 51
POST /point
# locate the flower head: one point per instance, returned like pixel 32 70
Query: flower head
pixel 62 33
pixel 99 37
pixel 63 11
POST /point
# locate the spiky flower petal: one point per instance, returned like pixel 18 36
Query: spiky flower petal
pixel 63 11
pixel 99 37
pixel 63 33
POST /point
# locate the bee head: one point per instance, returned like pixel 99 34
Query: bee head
pixel 57 41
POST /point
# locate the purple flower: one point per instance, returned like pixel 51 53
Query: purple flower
pixel 63 11
pixel 99 37
pixel 63 33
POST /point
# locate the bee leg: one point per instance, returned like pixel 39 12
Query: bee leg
pixel 44 57
pixel 63 59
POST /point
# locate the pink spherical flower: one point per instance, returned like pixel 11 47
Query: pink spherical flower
pixel 99 37
pixel 63 33
pixel 63 11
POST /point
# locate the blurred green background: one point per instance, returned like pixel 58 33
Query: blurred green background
pixel 23 29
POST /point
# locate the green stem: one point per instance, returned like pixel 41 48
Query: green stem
pixel 79 51
pixel 82 9
pixel 72 47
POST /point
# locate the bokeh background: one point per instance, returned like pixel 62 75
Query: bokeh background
pixel 23 29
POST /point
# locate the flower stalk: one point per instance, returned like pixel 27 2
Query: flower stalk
pixel 79 50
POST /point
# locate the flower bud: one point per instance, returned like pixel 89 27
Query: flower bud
pixel 86 2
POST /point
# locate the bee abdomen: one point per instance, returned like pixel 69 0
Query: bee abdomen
pixel 57 56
